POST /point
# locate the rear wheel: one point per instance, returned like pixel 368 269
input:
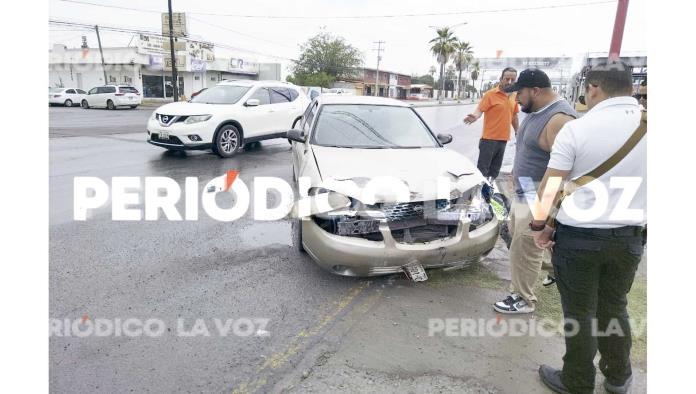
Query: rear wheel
pixel 85 104
pixel 134 106
pixel 110 105
pixel 227 141
pixel 68 103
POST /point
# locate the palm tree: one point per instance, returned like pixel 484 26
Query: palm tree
pixel 475 72
pixel 461 60
pixel 442 48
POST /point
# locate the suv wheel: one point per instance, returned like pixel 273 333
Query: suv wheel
pixel 85 104
pixel 110 105
pixel 227 141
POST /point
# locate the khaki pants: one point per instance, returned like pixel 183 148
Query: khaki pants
pixel 526 260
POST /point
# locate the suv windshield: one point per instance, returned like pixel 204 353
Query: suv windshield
pixel 221 94
pixel 371 126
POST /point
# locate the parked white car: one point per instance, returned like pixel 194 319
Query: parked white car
pixel 226 117
pixel 65 96
pixel 111 97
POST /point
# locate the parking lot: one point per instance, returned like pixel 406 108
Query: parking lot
pixel 324 332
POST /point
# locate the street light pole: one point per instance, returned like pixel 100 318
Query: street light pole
pixel 101 52
pixel 175 82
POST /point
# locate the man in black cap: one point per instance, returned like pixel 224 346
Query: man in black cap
pixel 546 113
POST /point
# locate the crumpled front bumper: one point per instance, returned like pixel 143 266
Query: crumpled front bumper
pixel 353 256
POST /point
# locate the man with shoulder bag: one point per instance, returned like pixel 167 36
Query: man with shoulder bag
pixel 595 226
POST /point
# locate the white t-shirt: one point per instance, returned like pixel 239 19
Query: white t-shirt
pixel 619 197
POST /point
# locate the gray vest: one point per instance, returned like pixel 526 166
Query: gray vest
pixel 530 160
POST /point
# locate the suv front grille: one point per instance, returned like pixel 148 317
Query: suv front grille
pixel 168 120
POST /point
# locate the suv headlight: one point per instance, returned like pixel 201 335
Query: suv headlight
pixel 197 119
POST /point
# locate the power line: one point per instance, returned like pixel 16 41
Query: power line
pixel 154 33
pixel 411 15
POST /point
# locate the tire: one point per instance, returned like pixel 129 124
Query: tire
pixel 85 104
pixel 110 105
pixel 297 236
pixel 134 106
pixel 68 103
pixel 228 141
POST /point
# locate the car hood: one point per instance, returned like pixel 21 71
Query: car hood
pixel 186 108
pixel 418 168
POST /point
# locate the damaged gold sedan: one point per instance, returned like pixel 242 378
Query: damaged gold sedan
pixel 380 194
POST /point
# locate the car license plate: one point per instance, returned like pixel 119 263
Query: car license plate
pixel 164 135
pixel 415 272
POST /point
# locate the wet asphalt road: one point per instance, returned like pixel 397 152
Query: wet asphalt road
pixel 178 272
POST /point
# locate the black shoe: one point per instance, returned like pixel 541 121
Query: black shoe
pixel 622 389
pixel 552 379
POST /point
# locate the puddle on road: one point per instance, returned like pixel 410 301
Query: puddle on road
pixel 267 233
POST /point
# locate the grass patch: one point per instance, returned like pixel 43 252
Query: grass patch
pixel 549 307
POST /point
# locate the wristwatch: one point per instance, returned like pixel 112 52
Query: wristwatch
pixel 537 227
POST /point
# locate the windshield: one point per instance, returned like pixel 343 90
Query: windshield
pixel 221 94
pixel 372 127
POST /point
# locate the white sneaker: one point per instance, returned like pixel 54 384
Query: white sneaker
pixel 518 306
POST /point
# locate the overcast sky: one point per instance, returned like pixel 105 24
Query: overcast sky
pixel 570 31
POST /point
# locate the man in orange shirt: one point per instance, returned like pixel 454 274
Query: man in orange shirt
pixel 501 112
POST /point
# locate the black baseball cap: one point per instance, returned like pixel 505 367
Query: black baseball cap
pixel 530 78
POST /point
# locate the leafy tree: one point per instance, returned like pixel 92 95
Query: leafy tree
pixel 442 48
pixel 476 68
pixel 324 59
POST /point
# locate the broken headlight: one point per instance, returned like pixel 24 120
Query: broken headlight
pixel 478 210
pixel 357 219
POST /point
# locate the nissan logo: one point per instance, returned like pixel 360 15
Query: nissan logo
pixel 165 118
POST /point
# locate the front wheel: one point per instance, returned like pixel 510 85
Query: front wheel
pixel 134 106
pixel 296 229
pixel 68 103
pixel 85 104
pixel 227 141
pixel 110 105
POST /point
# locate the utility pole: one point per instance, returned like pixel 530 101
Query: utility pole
pixel 175 82
pixel 101 52
pixel 379 57
pixel 617 35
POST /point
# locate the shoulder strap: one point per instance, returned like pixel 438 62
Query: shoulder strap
pixel 603 168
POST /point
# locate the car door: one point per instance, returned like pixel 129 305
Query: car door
pixel 300 151
pixel 258 119
pixel 284 109
pixel 107 93
pixel 92 97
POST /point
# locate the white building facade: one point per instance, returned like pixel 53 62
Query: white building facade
pixel 148 69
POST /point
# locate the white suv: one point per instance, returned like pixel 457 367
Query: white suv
pixel 227 116
pixel 112 96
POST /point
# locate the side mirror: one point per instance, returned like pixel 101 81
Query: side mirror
pixel 252 103
pixel 296 135
pixel 581 99
pixel 444 138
